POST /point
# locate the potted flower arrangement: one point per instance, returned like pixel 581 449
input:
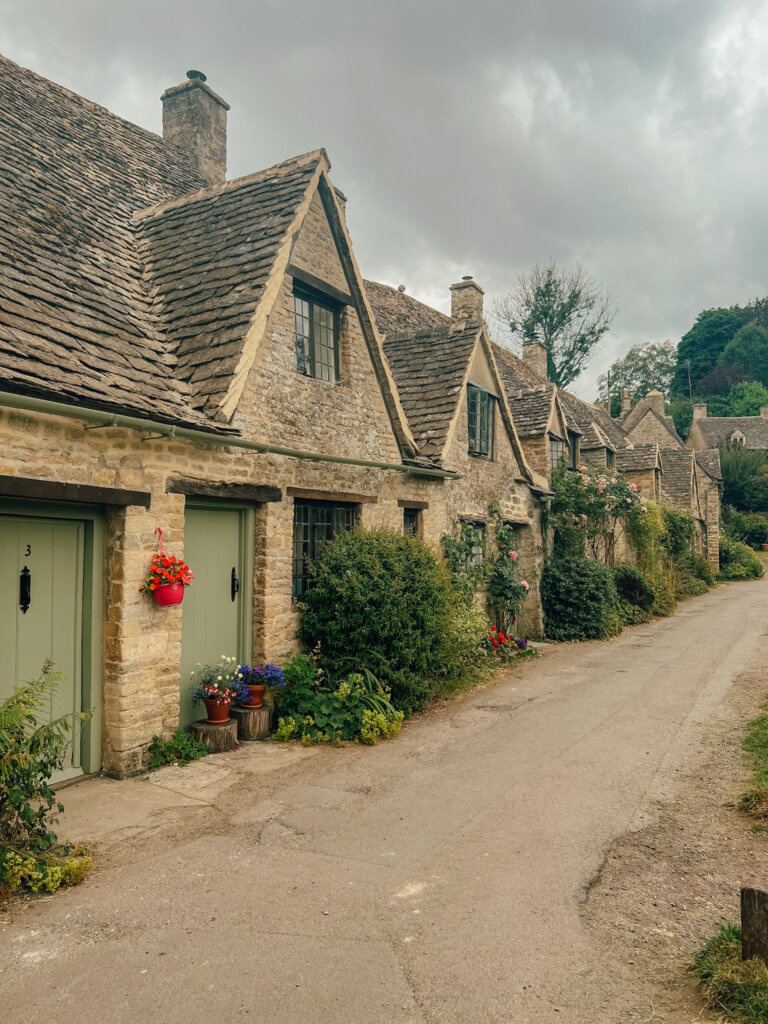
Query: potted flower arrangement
pixel 217 686
pixel 255 680
pixel 167 578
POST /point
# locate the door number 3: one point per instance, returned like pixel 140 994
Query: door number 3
pixel 28 549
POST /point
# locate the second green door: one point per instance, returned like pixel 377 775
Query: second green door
pixel 216 614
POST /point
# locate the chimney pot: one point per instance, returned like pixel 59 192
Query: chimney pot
pixel 195 120
pixel 467 300
pixel 700 412
pixel 626 402
pixel 656 401
pixel 535 357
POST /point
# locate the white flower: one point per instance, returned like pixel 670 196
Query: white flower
pixel 219 678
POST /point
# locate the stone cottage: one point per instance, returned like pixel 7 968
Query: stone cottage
pixel 715 432
pixel 196 362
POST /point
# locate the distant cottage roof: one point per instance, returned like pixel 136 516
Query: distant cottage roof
pixel 718 430
pixel 638 457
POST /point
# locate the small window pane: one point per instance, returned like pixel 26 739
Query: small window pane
pixel 481 407
pixel 411 518
pixel 314 524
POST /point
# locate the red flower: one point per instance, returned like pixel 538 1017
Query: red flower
pixel 495 643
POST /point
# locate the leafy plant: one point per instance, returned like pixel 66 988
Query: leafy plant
pixel 180 749
pixel 32 748
pixel 587 510
pixel 316 709
pixel 579 599
pixel 460 549
pixel 679 531
pixel 632 586
pixel 506 593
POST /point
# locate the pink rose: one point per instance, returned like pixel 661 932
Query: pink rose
pixel 513 555
pixel 629 501
pixel 524 584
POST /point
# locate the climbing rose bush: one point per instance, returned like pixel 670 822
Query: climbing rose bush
pixel 588 507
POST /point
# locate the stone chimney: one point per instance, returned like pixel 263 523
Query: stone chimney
pixel 195 120
pixel 764 411
pixel 467 300
pixel 700 412
pixel 656 401
pixel 535 357
pixel 626 402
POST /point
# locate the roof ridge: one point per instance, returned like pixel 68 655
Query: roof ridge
pixel 231 184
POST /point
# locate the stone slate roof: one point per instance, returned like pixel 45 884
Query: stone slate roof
pixel 709 460
pixel 597 428
pixel 517 376
pixel 429 368
pixel 677 476
pixel 637 457
pixel 398 313
pixel 530 399
pixel 717 430
pixel 125 282
pixel 75 320
pixel 208 257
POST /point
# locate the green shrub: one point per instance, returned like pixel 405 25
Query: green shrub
pixel 690 586
pixel 738 561
pixel 697 566
pixel 756 532
pixel 634 587
pixel 181 749
pixel 579 599
pixel 382 600
pixel 316 709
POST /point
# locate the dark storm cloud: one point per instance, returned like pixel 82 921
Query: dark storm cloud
pixel 476 137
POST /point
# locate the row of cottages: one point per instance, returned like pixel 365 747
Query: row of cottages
pixel 197 362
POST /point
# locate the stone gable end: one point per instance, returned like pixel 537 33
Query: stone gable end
pixel 281 406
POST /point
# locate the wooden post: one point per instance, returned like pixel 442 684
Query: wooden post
pixel 252 723
pixel 219 736
pixel 754 924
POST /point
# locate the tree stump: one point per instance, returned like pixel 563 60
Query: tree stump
pixel 754 924
pixel 252 723
pixel 219 736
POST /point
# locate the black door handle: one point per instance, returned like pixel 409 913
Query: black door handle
pixel 25 589
pixel 234 584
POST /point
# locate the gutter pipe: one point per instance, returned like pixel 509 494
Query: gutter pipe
pixel 165 430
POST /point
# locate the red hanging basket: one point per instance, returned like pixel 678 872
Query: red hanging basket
pixel 169 593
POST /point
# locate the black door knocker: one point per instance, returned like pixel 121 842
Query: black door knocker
pixel 234 584
pixel 25 589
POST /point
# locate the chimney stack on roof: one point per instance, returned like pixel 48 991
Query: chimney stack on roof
pixel 626 402
pixel 195 120
pixel 700 412
pixel 535 357
pixel 467 300
pixel 656 401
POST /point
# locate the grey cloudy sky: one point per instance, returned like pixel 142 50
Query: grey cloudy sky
pixel 475 137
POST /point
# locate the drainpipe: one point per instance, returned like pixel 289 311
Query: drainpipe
pixel 166 430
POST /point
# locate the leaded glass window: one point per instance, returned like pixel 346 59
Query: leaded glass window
pixel 316 337
pixel 314 524
pixel 411 518
pixel 481 406
pixel 557 452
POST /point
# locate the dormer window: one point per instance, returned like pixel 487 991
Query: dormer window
pixel 557 456
pixel 316 327
pixel 481 406
pixel 737 439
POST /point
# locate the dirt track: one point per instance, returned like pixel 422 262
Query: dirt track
pixel 546 849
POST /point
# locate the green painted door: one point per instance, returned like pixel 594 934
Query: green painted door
pixel 44 618
pixel 216 616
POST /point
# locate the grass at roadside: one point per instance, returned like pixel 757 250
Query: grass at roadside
pixel 754 801
pixel 731 985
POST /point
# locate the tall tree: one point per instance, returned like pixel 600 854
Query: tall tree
pixel 748 348
pixel 644 368
pixel 564 310
pixel 699 349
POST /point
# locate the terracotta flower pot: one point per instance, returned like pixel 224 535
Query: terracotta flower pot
pixel 218 710
pixel 764 547
pixel 169 593
pixel 255 696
